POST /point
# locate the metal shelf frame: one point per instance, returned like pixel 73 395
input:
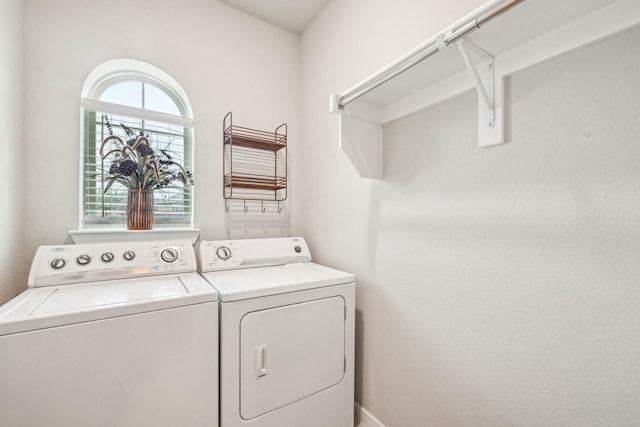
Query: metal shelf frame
pixel 254 164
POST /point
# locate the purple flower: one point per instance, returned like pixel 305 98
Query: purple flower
pixel 144 150
pixel 128 167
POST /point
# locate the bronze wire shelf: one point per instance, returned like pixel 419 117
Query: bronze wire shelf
pixel 255 182
pixel 272 187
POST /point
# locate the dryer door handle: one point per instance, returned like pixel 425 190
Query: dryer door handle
pixel 261 361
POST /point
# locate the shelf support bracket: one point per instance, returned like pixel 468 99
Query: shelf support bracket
pixel 482 74
pixel 482 67
pixel 360 136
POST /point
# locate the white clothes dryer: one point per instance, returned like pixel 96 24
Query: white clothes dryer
pixel 115 334
pixel 286 334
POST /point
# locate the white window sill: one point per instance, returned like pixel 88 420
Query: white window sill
pixel 105 235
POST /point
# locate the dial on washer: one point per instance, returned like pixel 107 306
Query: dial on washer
pixel 169 254
pixel 107 257
pixel 83 259
pixel 58 263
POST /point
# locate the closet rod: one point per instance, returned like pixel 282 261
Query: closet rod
pixel 449 36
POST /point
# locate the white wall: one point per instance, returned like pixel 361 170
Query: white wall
pixel 11 159
pixel 224 59
pixel 496 287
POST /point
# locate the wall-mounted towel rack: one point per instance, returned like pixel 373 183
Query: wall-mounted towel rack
pixel 492 45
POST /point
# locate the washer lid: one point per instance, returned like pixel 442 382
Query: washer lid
pixel 46 307
pixel 234 285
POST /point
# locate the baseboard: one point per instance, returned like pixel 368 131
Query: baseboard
pixel 364 417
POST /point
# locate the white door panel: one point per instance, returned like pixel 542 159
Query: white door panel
pixel 288 353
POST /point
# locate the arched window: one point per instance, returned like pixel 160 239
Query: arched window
pixel 127 95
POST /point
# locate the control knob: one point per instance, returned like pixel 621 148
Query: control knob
pixel 223 252
pixel 83 259
pixel 169 254
pixel 129 255
pixel 107 257
pixel 58 263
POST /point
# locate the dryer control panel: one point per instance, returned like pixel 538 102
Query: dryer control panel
pixel 247 253
pixel 66 264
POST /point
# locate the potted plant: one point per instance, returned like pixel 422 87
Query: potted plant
pixel 140 169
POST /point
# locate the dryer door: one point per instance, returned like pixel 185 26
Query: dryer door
pixel 291 352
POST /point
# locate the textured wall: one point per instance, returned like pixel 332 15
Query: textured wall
pixel 11 159
pixel 496 287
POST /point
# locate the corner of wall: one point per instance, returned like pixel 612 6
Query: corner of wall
pixel 12 162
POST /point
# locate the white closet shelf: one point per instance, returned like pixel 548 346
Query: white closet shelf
pixel 532 31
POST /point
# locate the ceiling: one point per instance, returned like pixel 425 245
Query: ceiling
pixel 291 15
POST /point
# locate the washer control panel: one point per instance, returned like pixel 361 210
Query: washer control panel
pixel 247 253
pixel 66 264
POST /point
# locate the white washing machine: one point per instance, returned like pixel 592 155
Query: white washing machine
pixel 111 335
pixel 286 334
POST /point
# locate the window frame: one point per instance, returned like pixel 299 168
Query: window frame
pixel 117 71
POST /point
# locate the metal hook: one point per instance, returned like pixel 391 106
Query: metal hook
pixel 226 205
pixel 245 206
pixel 279 207
pixel 263 208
